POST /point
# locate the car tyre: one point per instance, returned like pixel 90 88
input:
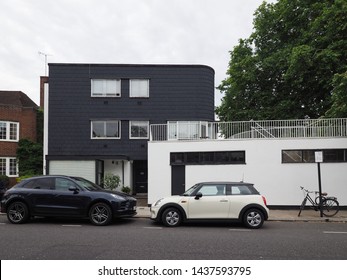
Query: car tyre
pixel 171 217
pixel 100 214
pixel 253 218
pixel 18 213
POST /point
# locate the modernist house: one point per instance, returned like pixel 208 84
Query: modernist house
pixel 98 115
pixel 277 156
pixel 18 115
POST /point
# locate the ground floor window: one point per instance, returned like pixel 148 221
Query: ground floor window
pixel 8 166
pixel 308 156
pixel 208 158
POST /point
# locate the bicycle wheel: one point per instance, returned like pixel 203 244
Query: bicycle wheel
pixel 330 207
pixel 302 206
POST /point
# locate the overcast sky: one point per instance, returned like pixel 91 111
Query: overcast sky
pixel 117 31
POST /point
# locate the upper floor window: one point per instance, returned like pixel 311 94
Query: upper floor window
pixel 8 167
pixel 105 129
pixel 9 131
pixel 106 87
pixel 139 129
pixel 139 88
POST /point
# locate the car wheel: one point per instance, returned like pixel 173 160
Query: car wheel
pixel 100 214
pixel 172 217
pixel 253 218
pixel 17 212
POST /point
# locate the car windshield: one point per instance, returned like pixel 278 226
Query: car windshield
pixel 190 190
pixel 85 184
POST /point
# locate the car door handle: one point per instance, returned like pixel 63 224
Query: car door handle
pixel 224 200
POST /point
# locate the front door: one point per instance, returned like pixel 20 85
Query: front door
pixel 140 176
pixel 178 179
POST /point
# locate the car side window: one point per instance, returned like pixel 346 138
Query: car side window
pixel 212 190
pixel 42 184
pixel 240 190
pixel 62 184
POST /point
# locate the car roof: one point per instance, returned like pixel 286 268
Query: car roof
pixel 226 183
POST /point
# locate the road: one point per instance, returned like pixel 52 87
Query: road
pixel 140 238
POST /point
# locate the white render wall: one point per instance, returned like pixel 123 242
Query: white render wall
pixel 278 182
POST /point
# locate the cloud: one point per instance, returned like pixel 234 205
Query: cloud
pixel 117 31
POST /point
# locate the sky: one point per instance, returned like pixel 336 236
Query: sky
pixel 117 31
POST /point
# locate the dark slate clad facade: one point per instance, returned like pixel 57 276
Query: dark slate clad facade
pixel 176 92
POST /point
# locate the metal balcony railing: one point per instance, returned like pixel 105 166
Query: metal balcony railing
pixel 200 130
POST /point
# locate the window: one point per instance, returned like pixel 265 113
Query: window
pixel 106 87
pixel 183 130
pixel 9 131
pixel 212 190
pixel 8 167
pixel 308 156
pixel 105 129
pixel 139 88
pixel 139 129
pixel 208 158
pixel 62 184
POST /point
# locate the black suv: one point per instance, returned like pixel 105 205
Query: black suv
pixel 63 196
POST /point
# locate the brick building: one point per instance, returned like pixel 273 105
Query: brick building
pixel 17 120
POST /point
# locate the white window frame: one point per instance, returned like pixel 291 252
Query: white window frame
pixel 8 165
pixel 135 88
pixel 138 123
pixel 106 88
pixel 7 126
pixel 105 129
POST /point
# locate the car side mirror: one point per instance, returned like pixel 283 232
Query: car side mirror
pixel 198 195
pixel 74 189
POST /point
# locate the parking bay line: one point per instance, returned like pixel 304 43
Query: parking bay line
pixel 153 227
pixel 335 232
pixel 71 225
pixel 237 229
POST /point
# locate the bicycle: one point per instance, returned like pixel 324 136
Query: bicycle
pixel 329 206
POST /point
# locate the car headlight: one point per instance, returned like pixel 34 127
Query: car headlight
pixel 158 202
pixel 117 196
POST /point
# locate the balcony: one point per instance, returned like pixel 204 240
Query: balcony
pixel 200 130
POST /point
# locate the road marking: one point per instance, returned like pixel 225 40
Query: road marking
pixel 71 225
pixel 238 229
pixel 335 232
pixel 153 227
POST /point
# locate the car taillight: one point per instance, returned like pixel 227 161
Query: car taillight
pixel 264 199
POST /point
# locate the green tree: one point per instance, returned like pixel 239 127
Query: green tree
pixel 286 68
pixel 29 155
pixel 339 97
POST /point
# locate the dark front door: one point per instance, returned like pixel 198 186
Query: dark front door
pixel 178 179
pixel 140 176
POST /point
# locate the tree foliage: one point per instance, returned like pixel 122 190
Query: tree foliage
pixel 29 155
pixel 292 64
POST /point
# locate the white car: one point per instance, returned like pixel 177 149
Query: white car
pixel 236 201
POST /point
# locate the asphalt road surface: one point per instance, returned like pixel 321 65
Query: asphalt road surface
pixel 142 239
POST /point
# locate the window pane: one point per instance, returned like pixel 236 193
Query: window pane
pixel 308 156
pixel 97 87
pixel 139 88
pixel 291 156
pixel 2 166
pixel 112 129
pixel 13 166
pixel 139 129
pixel 98 129
pixel 3 130
pixel 13 131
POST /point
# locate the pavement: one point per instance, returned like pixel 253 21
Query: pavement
pixel 280 215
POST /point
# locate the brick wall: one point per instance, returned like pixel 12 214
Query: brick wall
pixel 27 126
